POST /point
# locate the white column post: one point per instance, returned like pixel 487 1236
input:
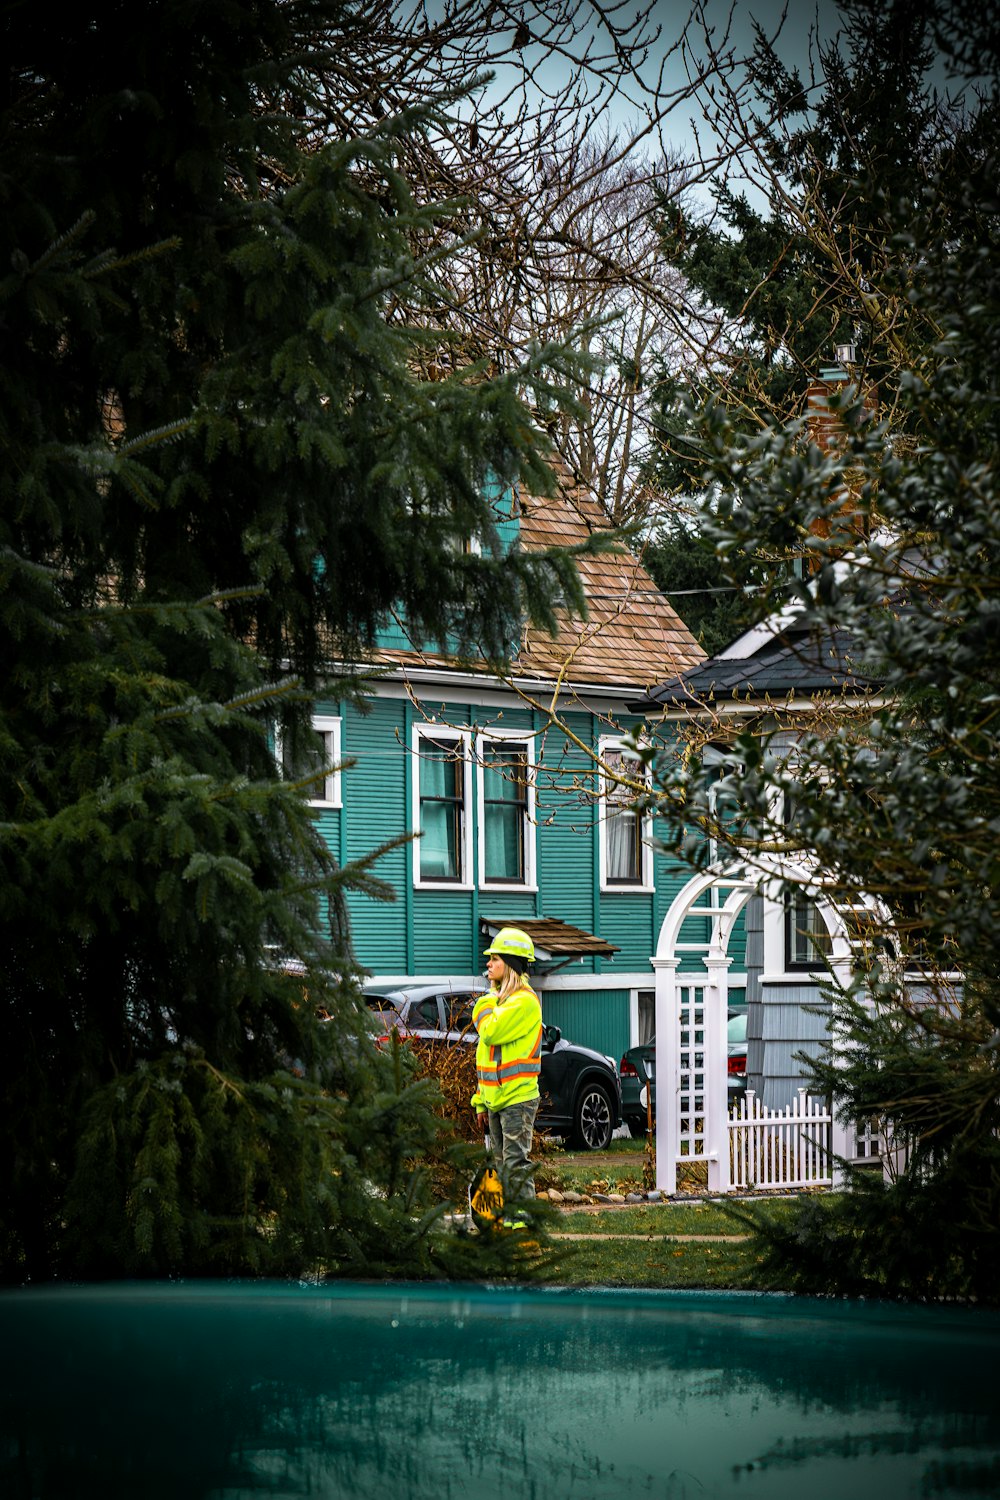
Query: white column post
pixel 843 1138
pixel 716 1092
pixel 668 1121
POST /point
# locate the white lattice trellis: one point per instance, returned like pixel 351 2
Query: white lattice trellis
pixel 691 1071
pixel 691 1012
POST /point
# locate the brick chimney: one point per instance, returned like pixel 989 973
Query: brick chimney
pixel 825 430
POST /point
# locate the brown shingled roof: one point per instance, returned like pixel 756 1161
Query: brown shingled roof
pixel 553 937
pixel 631 627
pixel 632 638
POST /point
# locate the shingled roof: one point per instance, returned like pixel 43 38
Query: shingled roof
pixel 631 628
pixel 776 665
pixel 632 637
pixel 552 937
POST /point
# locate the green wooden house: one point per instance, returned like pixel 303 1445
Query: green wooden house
pixel 514 819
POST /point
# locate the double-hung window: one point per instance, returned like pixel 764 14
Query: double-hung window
pixel 441 808
pixel 313 757
pixel 506 811
pixel 807 940
pixel 626 855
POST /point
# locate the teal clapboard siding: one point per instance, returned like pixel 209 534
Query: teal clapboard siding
pixel 374 811
pixel 590 1018
pixel 567 830
pixel 627 921
pixel 737 949
pixel 445 935
pixel 671 878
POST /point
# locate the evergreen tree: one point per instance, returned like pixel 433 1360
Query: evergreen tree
pixel 902 804
pixel 787 265
pixel 682 561
pixel 220 472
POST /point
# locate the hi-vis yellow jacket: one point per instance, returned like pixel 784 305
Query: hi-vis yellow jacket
pixel 509 1051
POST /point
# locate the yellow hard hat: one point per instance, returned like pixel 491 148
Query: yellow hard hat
pixel 512 940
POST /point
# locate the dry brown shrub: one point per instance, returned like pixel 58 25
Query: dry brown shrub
pixel 453 1068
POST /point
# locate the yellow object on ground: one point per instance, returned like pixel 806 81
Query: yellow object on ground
pixel 486 1197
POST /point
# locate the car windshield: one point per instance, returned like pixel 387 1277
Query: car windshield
pixel 377 995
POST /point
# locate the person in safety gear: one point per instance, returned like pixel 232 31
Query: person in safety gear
pixel 509 1058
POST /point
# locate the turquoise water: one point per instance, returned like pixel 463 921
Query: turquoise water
pixel 223 1391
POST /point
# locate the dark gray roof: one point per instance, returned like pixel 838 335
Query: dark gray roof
pixel 792 663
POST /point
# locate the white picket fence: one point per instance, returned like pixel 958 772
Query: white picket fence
pixel 780 1148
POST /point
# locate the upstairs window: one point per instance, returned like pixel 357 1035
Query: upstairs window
pixel 626 857
pixel 442 798
pixel 315 754
pixel 506 812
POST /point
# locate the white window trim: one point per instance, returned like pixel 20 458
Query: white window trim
pixel 645 885
pixel 323 724
pixel 457 737
pixel 530 882
pixel 329 724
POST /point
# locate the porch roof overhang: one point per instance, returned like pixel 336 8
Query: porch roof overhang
pixel 792 666
pixel 556 942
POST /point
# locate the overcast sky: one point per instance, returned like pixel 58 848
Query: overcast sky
pixel 733 27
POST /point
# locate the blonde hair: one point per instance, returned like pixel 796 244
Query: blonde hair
pixel 511 981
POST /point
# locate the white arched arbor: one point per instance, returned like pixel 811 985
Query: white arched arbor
pixel 692 1096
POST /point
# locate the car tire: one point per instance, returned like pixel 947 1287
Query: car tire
pixel 637 1127
pixel 593 1119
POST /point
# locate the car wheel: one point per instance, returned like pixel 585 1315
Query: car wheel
pixel 594 1122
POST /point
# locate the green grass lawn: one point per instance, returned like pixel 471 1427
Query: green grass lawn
pixel 650 1218
pixel 618 1169
pixel 638 1245
pixel 660 1263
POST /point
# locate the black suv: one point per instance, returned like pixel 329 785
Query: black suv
pixel 580 1089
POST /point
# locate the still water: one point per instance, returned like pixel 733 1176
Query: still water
pixel 229 1391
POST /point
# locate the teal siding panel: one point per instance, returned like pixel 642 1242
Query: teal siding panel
pixel 519 719
pixel 503 503
pixel 375 811
pixel 328 821
pixel 566 830
pixel 627 921
pixel 671 878
pixel 392 636
pixel 445 939
pixel 591 1018
pixel 496 904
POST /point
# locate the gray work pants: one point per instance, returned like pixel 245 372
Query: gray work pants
pixel 511 1131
